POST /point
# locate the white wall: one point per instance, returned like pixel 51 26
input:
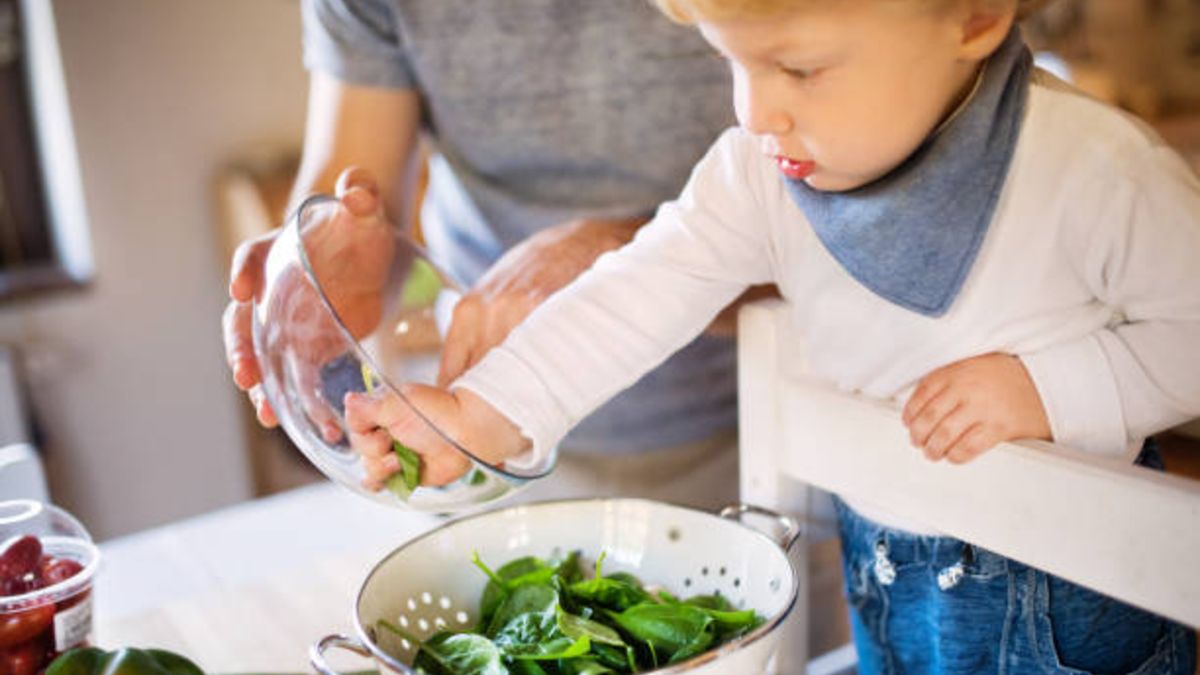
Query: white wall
pixel 128 376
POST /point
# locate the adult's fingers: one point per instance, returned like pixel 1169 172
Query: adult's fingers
pixel 245 272
pixel 239 344
pixel 356 177
pixel 266 414
pixel 461 338
pixel 358 191
pixel 315 407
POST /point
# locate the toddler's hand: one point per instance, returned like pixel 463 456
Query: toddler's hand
pixel 374 420
pixel 962 410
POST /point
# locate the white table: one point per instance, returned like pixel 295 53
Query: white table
pixel 250 587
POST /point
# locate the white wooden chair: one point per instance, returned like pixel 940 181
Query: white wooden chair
pixel 1077 516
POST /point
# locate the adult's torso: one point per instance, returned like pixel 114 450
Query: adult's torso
pixel 541 111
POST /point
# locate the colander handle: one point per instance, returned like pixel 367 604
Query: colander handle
pixel 791 527
pixel 316 653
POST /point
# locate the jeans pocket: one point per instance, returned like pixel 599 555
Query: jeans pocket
pixel 1086 633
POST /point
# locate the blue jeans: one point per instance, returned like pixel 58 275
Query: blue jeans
pixel 927 604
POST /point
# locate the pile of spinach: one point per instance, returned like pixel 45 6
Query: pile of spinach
pixel 545 617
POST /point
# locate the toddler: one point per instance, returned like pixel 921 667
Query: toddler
pixel 950 228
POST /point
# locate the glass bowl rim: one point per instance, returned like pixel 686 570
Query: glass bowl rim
pixel 294 223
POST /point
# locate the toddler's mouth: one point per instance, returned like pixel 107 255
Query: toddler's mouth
pixel 795 169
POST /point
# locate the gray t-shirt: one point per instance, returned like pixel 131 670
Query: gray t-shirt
pixel 542 111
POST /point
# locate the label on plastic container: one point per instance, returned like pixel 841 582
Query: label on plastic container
pixel 72 626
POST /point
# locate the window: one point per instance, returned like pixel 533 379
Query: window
pixel 43 241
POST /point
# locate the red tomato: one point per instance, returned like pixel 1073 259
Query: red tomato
pixel 25 624
pixel 55 570
pixel 24 660
pixel 20 568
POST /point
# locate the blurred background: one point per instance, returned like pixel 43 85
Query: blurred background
pixel 125 390
pixel 168 132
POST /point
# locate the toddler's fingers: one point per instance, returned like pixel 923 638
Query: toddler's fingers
pixel 930 415
pixel 441 462
pixel 365 412
pixel 372 444
pixel 380 469
pixel 947 432
pixel 974 443
pixel 394 418
pixel 362 412
pixel 927 389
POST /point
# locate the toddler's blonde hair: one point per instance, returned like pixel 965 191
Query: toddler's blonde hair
pixel 691 11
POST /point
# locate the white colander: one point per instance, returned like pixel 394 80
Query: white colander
pixel 430 583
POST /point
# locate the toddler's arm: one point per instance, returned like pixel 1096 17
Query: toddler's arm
pixel 617 321
pixel 1138 250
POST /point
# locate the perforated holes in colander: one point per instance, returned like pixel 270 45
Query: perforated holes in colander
pixel 716 580
pixel 424 617
pixel 713 579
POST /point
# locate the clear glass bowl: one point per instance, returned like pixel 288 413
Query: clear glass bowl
pixel 345 309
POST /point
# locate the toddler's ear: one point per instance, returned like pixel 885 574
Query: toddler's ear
pixel 984 27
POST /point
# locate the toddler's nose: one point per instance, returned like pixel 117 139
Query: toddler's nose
pixel 759 112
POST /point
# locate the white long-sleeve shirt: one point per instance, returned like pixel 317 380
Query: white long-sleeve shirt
pixel 1089 272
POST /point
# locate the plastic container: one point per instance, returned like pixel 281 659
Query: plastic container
pixel 47 563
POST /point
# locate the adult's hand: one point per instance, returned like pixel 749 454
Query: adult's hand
pixel 524 277
pixel 350 254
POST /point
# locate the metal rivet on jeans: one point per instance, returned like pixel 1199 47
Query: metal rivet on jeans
pixel 949 577
pixel 885 571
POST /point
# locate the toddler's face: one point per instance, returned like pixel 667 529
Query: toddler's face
pixel 842 92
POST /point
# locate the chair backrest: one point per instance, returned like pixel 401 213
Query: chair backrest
pixel 21 473
pixel 1125 531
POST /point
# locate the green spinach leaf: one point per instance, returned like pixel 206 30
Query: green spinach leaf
pixel 666 629
pixel 460 654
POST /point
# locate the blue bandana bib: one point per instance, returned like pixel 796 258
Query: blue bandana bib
pixel 912 235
